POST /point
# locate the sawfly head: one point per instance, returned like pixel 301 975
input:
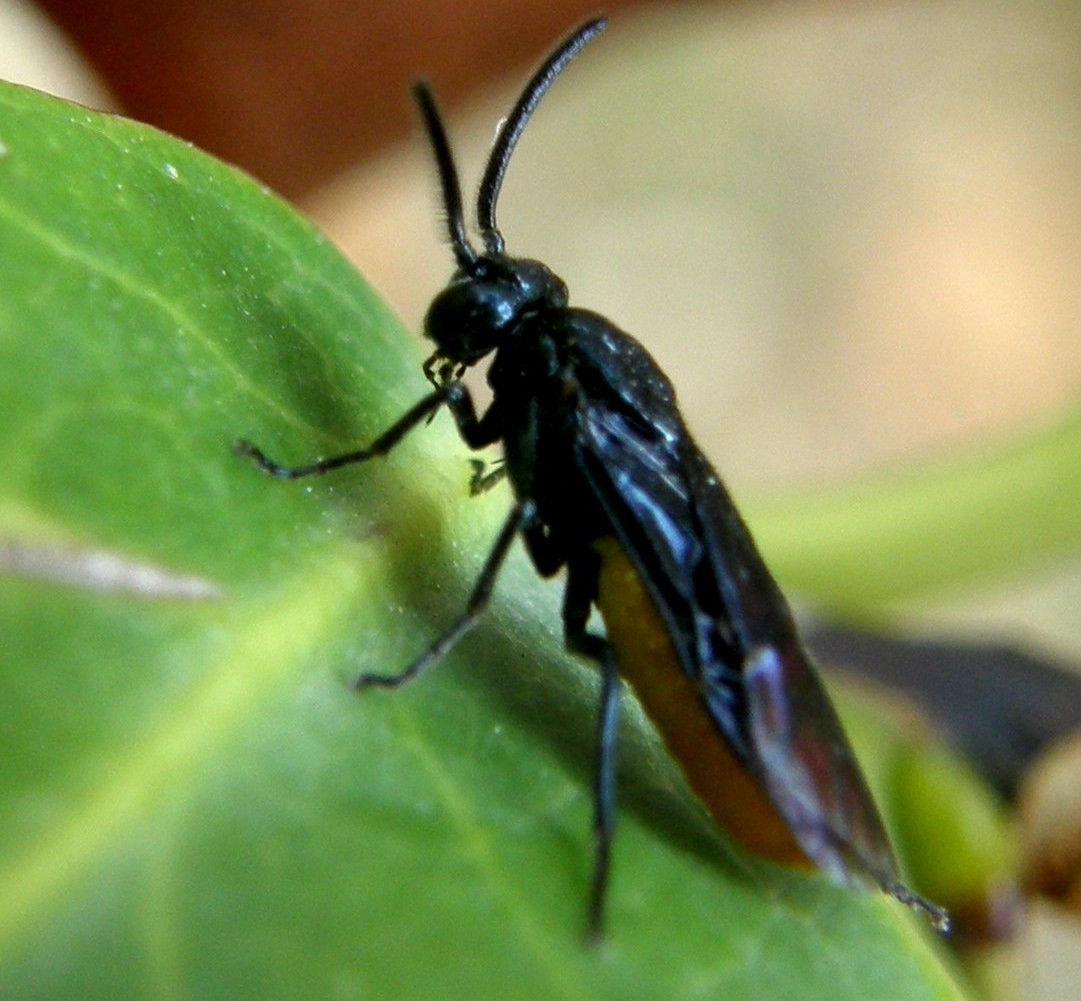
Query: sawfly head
pixel 490 293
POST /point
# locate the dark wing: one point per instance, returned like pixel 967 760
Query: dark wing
pixel 674 520
pixel 731 626
pixel 798 745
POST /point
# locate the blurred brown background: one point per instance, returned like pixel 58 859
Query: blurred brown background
pixel 295 91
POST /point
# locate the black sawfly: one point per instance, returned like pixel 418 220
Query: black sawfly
pixel 609 485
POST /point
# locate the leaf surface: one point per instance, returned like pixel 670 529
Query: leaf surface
pixel 193 803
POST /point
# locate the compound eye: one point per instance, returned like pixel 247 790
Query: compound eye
pixel 467 318
pixel 493 307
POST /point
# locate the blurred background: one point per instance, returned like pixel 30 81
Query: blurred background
pixel 850 231
pixel 853 230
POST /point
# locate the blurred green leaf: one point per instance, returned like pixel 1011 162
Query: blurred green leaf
pixel 980 516
pixel 949 828
pixel 192 801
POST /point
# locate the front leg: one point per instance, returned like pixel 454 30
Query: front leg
pixel 476 433
pixel 381 446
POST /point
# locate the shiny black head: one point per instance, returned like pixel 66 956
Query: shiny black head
pixel 471 316
pixel 490 292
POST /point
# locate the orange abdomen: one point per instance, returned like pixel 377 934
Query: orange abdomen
pixel 647 659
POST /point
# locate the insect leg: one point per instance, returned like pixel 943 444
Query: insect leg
pixel 604 821
pixel 478 601
pixel 548 557
pixel 484 478
pixel 381 446
pixel 476 432
pixel 577 602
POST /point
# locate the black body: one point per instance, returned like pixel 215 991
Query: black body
pixel 598 455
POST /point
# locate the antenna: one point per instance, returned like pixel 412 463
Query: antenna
pixel 465 255
pixel 507 138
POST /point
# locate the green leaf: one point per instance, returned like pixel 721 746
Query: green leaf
pixel 193 803
pixel 981 516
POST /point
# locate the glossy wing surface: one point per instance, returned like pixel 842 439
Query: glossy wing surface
pixel 730 624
